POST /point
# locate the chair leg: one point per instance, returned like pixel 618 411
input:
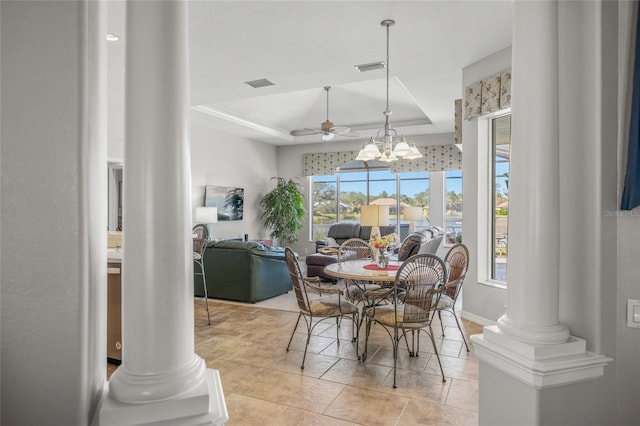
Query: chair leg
pixel 460 328
pixel 206 296
pixel 366 336
pixel 396 342
pixel 406 342
pixel 433 342
pixel 309 323
pixel 441 326
pixel 294 331
pixel 355 319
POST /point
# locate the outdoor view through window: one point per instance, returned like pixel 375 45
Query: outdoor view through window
pixel 339 197
pixel 501 147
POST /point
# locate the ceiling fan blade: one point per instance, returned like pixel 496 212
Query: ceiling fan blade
pixel 339 129
pixel 305 132
pixel 350 134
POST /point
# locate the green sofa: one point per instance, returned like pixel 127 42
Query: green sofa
pixel 243 271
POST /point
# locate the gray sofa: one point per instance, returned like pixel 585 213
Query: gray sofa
pixel 243 271
pixel 420 242
pixel 342 231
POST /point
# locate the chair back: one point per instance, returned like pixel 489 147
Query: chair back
pixel 200 237
pixel 458 260
pixel 354 248
pixel 411 245
pixel 297 279
pixel 417 282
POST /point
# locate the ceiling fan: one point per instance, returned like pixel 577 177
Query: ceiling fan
pixel 328 130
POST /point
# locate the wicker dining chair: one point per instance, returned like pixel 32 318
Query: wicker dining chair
pixel 200 238
pixel 328 303
pixel 417 283
pixel 457 259
pixel 356 248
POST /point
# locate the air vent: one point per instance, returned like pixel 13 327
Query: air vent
pixel 371 66
pixel 259 83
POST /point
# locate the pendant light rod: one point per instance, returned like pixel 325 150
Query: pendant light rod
pixel 388 153
pixel 327 88
pixel 387 23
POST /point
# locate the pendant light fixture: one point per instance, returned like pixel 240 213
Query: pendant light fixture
pixel 385 137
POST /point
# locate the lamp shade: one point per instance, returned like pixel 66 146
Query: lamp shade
pixel 373 215
pixel 412 213
pixel 206 215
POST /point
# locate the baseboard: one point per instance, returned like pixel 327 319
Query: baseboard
pixel 477 319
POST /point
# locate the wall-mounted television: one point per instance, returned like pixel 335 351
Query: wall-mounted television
pixel 229 201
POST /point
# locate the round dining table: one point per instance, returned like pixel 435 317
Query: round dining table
pixel 363 270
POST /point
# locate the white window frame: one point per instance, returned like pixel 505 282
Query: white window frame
pixel 485 203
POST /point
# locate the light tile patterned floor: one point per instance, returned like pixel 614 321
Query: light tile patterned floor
pixel 263 384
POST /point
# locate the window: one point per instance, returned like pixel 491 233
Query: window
pixel 453 206
pixel 324 205
pixel 337 198
pixel 500 167
pixel 414 190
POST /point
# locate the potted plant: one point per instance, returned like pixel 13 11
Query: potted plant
pixel 283 211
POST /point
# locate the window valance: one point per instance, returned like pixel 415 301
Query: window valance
pixel 436 158
pixel 488 95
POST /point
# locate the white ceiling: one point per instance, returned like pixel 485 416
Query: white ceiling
pixel 302 46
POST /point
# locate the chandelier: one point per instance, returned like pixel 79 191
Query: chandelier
pixel 381 147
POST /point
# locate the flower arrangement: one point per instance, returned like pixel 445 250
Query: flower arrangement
pixel 380 244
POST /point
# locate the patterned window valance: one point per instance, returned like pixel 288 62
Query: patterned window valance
pixel 457 129
pixel 436 158
pixel 488 95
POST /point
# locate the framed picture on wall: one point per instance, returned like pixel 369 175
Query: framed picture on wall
pixel 229 201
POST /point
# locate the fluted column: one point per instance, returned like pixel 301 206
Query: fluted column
pixel 533 275
pixel 161 378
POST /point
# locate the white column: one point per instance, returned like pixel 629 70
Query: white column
pixel 529 353
pixel 533 275
pixel 161 378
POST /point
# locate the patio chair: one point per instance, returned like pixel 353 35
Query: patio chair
pixel 416 295
pixel 457 259
pixel 322 307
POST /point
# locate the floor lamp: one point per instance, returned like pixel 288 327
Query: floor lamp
pixel 412 214
pixel 374 216
pixel 207 216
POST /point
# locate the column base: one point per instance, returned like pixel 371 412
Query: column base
pixel 203 405
pixel 554 334
pixel 539 365
pixel 522 383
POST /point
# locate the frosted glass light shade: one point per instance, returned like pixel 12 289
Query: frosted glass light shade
pixel 206 215
pixel 369 152
pixel 402 148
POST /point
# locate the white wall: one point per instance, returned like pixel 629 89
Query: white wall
pixel 53 197
pixel 628 238
pixel 481 303
pixel 290 165
pixel 222 159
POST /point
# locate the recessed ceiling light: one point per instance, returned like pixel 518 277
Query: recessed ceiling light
pixel 259 83
pixel 112 37
pixel 371 66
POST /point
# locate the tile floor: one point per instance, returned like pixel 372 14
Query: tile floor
pixel 263 384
